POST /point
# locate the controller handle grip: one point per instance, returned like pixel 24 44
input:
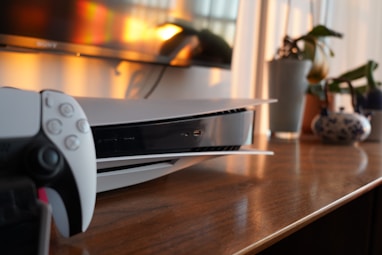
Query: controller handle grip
pixel 68 213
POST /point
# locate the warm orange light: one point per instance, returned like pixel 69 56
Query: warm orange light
pixel 167 31
pixel 186 51
pixel 93 23
pixel 133 30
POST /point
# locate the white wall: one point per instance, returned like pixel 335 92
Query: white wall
pixel 81 76
pixel 195 82
pixel 73 75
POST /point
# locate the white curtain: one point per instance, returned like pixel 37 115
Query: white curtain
pixel 361 23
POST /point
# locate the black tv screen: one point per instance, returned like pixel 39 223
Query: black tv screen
pixel 122 29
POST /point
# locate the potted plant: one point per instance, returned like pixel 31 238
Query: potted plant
pixel 303 60
pixel 314 49
pixel 368 96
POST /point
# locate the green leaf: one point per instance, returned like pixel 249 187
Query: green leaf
pixel 358 72
pixel 371 66
pixel 355 74
pixel 321 31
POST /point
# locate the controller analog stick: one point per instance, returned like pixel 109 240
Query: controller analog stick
pixel 46 162
pixel 50 158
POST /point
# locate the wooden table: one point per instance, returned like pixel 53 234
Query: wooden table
pixel 232 204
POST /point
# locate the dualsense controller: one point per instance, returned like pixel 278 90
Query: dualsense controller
pixel 46 136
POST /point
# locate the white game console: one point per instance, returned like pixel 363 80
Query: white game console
pixel 140 140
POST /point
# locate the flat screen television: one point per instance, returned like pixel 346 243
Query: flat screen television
pixel 133 30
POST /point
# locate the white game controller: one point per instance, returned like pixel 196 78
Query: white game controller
pixel 46 137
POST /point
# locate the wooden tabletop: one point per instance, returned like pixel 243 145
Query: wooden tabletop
pixel 229 205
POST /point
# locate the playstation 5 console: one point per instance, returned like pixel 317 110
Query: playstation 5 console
pixel 140 140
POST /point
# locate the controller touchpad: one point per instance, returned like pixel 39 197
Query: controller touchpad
pixel 23 114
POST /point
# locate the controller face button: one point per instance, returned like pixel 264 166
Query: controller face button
pixel 67 110
pixel 54 126
pixel 83 126
pixel 72 142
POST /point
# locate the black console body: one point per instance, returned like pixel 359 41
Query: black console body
pixel 211 132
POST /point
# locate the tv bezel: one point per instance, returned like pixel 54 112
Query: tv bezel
pixel 32 44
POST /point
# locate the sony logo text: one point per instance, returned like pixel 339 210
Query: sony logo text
pixel 46 44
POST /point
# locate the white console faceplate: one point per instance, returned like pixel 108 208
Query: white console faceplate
pixel 107 111
pixel 167 163
pixel 20 113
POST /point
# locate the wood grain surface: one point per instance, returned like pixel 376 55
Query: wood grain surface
pixel 229 205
